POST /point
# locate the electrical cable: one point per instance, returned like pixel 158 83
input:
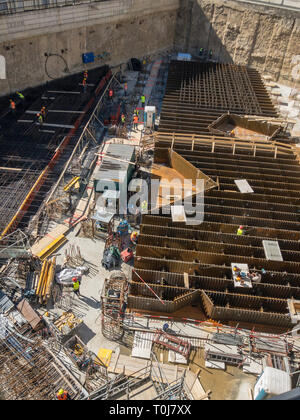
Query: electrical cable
pixel 66 70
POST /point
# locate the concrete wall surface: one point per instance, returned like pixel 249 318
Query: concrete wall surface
pixel 37 22
pixel 263 37
pixel 121 29
pixel 266 38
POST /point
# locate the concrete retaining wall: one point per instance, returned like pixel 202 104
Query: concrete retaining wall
pixel 122 28
pixel 263 37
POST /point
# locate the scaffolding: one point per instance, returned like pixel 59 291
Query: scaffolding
pixel 29 370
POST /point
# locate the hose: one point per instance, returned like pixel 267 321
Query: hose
pixel 55 55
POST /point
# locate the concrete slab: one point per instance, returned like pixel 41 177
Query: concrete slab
pixel 215 365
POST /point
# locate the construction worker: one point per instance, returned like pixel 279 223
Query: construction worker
pixel 201 51
pixel 241 231
pixel 22 97
pixel 143 100
pixel 144 206
pixel 111 94
pixel 63 395
pixel 135 122
pixel 125 88
pixel 165 327
pixel 123 119
pixel 40 119
pixel 134 237
pixel 76 286
pixel 12 106
pixel 43 112
pixel 236 270
pixel 84 85
pixel 136 112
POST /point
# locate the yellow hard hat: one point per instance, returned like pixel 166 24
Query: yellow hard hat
pixel 60 392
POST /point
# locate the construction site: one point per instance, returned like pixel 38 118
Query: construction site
pixel 149 200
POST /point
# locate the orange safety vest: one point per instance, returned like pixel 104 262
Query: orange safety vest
pixel 135 119
pixel 111 92
pixel 13 105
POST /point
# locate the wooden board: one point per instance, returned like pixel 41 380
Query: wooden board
pixel 142 345
pixel 186 280
pixel 131 367
pixel 243 186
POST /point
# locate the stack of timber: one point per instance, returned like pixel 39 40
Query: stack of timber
pixel 46 279
pixel 67 323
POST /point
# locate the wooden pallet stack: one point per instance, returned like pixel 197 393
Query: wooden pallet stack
pixel 46 279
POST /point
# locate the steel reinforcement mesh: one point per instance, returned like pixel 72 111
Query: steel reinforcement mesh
pixel 26 148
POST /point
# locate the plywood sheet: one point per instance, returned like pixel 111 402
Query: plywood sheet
pixel 142 345
pixel 244 186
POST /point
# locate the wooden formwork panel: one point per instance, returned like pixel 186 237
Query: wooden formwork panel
pixel 214 258
pixel 218 284
pixel 249 316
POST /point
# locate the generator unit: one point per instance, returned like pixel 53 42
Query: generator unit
pixel 149 116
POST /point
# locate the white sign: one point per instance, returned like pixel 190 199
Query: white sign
pixel 2 68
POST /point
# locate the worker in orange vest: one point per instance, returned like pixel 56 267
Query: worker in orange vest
pixel 12 106
pixel 40 118
pixel 43 112
pixel 135 122
pixel 63 395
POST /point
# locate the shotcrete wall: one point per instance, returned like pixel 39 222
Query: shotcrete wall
pixel 115 30
pixel 266 38
pixel 263 37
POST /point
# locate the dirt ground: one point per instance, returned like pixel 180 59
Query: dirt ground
pixel 231 384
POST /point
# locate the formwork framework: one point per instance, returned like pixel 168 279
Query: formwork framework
pixel 191 265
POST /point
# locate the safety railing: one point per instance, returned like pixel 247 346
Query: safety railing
pixel 17 6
